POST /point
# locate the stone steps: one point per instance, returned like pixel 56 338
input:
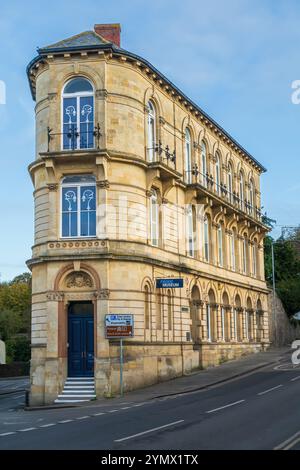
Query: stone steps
pixel 77 390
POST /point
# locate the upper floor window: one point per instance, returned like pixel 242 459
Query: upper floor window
pixel 251 196
pixel 218 173
pixel 230 182
pixel 206 238
pixel 254 258
pixel 151 131
pixel 191 230
pixel 188 157
pixel 154 219
pixel 203 164
pixel 78 206
pixel 220 245
pixel 245 254
pixel 241 188
pixel 232 249
pixel 78 115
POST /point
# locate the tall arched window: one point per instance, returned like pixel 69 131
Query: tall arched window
pixel 230 183
pixel 203 163
pixel 218 173
pixel 249 321
pixel 159 309
pixel 78 114
pixel 254 258
pixel 78 206
pixel 191 230
pixel 241 189
pixel 251 196
pixel 170 309
pixel 147 305
pixel 238 311
pixel 206 238
pixel 154 218
pixel 188 157
pixel 245 254
pixel 220 244
pixel 259 320
pixel 226 320
pixel 232 241
pixel 151 131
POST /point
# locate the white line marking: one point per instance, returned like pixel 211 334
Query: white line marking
pixel 139 404
pixel 83 417
pixel 47 425
pixel 270 389
pixel 112 411
pixel 27 429
pixel 225 406
pixel 65 421
pixel 99 414
pixel 19 396
pixel 285 444
pixel 125 408
pixel 295 378
pixel 7 433
pixel 150 430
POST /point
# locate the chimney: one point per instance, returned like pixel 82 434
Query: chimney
pixel 110 32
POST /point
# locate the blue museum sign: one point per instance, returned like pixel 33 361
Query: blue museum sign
pixel 169 282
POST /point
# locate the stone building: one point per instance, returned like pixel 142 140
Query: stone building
pixel 133 182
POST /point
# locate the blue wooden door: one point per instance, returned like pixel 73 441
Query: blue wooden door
pixel 81 345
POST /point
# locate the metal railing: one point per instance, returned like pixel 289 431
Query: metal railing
pixel 194 176
pixel 73 139
pixel 158 154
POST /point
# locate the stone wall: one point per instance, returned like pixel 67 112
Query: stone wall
pixel 282 331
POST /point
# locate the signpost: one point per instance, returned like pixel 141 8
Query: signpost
pixel 119 326
pixel 169 283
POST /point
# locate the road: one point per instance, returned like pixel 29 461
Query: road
pixel 259 411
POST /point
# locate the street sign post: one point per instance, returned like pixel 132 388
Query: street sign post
pixel 119 326
pixel 169 283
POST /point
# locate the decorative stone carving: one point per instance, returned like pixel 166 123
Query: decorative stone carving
pixel 102 294
pixel 103 184
pixel 78 280
pixel 52 186
pixel 55 296
pixel 102 94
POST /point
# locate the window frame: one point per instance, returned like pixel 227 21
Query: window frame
pixel 154 197
pixel 188 156
pixel 77 95
pixel 78 223
pixel 151 113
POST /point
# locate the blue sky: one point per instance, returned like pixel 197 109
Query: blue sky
pixel 236 58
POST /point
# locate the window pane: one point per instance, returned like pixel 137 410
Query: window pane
pixel 69 212
pixel 78 85
pixel 86 122
pixel 79 179
pixel 69 123
pixel 88 211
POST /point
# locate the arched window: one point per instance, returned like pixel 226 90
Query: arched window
pixel 241 188
pixel 154 219
pixel 259 320
pixel 218 173
pixel 78 206
pixel 245 254
pixel 230 183
pixel 211 317
pixel 226 318
pixel 147 305
pixel 238 314
pixel 151 131
pixel 203 163
pixel 188 157
pixel 251 196
pixel 232 241
pixel 78 114
pixel 170 309
pixel 249 321
pixel 254 258
pixel 206 238
pixel 220 244
pixel 195 313
pixel 159 309
pixel 191 230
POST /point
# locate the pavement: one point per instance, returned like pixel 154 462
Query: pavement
pixel 251 403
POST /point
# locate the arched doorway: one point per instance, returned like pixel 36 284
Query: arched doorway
pixel 80 339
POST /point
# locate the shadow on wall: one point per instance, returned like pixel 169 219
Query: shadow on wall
pixel 282 330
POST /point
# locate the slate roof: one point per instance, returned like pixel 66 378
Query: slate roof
pixel 85 39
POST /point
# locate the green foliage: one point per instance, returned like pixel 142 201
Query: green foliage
pixel 18 349
pixel 287 270
pixel 15 309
